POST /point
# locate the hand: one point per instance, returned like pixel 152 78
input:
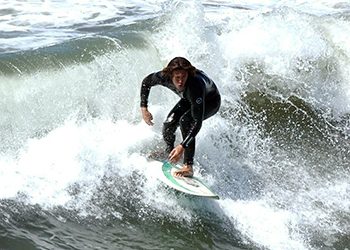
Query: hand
pixel 176 153
pixel 147 116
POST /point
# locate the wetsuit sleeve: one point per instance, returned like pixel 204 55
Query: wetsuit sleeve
pixel 148 82
pixel 196 98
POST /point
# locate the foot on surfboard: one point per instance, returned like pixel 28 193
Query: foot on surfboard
pixel 185 171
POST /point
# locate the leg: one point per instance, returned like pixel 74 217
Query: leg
pixel 172 123
pixel 185 125
pixel 186 122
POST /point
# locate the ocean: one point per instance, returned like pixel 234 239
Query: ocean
pixel 73 171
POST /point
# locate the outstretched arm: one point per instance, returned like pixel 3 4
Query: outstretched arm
pixel 151 80
pixel 146 85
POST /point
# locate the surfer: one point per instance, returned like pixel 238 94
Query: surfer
pixel 200 99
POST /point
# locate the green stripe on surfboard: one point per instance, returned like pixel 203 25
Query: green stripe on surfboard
pixel 166 169
pixel 167 172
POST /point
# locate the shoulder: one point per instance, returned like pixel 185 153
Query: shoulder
pixel 195 88
pixel 155 78
pixel 198 80
pixel 201 76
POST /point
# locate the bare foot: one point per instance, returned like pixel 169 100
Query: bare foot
pixel 185 171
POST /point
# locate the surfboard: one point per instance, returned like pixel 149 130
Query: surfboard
pixel 188 185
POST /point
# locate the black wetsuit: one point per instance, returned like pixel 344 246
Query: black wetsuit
pixel 199 100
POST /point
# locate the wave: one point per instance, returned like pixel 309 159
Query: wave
pixel 277 152
pixel 56 57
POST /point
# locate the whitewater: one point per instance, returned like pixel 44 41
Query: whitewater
pixel 73 172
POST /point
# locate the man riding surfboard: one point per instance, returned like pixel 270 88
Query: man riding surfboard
pixel 199 100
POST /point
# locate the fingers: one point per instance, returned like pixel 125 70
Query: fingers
pixel 176 154
pixel 148 119
pixel 147 116
pixel 173 156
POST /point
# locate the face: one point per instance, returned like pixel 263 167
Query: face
pixel 179 78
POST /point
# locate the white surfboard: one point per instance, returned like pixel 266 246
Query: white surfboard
pixel 188 185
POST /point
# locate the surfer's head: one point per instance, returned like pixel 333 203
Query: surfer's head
pixel 179 63
pixel 178 70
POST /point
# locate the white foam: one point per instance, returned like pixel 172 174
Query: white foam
pixel 264 225
pixel 320 208
pixel 83 156
pixel 282 42
pixel 70 154
pixel 338 34
pixel 183 33
pixel 317 7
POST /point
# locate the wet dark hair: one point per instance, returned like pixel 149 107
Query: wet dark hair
pixel 179 63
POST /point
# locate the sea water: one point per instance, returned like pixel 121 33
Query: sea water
pixel 72 169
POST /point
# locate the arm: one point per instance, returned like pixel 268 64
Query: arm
pixel 146 85
pixel 147 116
pixel 144 93
pixel 149 81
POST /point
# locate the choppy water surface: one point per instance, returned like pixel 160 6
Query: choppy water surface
pixel 72 169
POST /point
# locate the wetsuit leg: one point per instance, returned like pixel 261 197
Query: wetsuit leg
pixel 172 123
pixel 186 121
